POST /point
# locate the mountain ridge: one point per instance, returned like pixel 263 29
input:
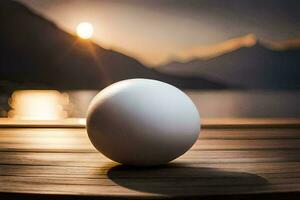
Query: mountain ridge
pixel 255 67
pixel 212 51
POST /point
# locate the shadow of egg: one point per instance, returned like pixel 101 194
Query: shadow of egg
pixel 184 180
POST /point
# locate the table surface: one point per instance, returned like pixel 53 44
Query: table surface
pixel 232 157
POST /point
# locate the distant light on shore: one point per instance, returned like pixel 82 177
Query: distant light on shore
pixel 38 105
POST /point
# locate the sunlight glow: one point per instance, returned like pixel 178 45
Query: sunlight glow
pixel 38 105
pixel 85 30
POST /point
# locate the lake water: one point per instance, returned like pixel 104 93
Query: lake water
pixel 247 103
pixel 52 104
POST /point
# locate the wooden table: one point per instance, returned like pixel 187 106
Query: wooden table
pixel 233 159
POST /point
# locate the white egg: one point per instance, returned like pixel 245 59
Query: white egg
pixel 142 122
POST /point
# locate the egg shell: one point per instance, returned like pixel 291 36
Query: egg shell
pixel 142 122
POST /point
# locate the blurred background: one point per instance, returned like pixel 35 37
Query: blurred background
pixel 233 58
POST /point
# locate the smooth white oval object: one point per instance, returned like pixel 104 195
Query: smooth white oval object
pixel 142 122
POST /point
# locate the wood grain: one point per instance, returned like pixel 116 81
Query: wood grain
pixel 229 160
pixel 205 123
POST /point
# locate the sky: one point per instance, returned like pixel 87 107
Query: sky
pixel 154 31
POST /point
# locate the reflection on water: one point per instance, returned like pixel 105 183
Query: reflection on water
pixel 38 105
pixel 52 104
pixel 250 104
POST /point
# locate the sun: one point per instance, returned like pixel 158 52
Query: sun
pixel 85 30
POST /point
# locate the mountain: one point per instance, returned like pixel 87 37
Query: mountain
pixel 253 66
pixel 211 51
pixel 35 52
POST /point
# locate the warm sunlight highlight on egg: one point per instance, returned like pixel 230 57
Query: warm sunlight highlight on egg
pixel 85 30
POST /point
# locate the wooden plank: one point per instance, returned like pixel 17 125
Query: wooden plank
pixel 76 140
pixel 262 133
pixel 248 134
pixel 206 123
pixel 65 145
pixel 278 170
pixel 61 123
pixel 251 123
pixel 147 187
pixel 97 159
pixel 246 144
pixel 189 177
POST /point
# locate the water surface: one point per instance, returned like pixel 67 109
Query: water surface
pixel 52 104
